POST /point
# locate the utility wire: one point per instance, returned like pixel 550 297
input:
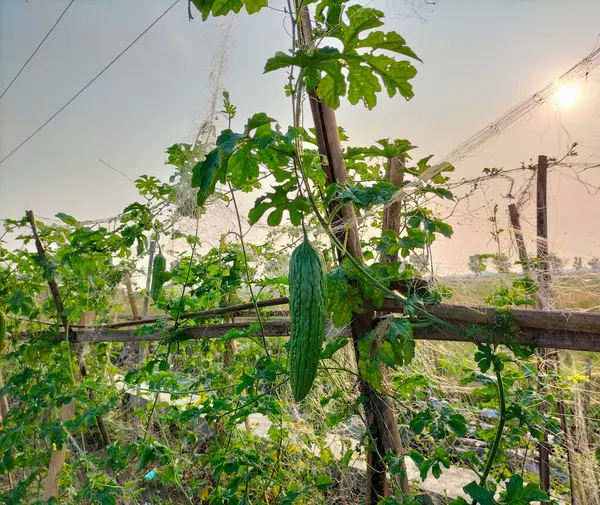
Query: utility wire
pixel 36 49
pixel 88 84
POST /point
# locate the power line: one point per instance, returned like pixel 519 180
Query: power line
pixel 88 84
pixel 36 49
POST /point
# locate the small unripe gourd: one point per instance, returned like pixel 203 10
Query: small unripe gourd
pixel 308 296
pixel 159 267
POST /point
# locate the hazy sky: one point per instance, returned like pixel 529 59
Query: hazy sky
pixel 480 57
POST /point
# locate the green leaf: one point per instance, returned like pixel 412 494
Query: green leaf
pixel 360 19
pixel 213 168
pixel 279 201
pixel 517 494
pixel 390 41
pixel 362 85
pixel 420 421
pixel 65 218
pixel 364 197
pixel 274 218
pixel 302 59
pixel 324 482
pixel 385 149
pixel 366 71
pixel 257 120
pixel 253 6
pixel 395 75
pixel 224 7
pixel 480 494
pixel 333 346
pixel 342 298
pixel 370 369
pixel 242 167
pixel 205 176
pixel 204 6
pixel 333 85
pixel 458 425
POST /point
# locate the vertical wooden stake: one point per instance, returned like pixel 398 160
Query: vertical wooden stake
pixel 549 358
pixel 131 296
pixel 515 222
pixel 542 234
pixel 391 212
pixel 542 302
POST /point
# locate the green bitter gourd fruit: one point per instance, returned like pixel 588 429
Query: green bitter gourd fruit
pixel 308 295
pixel 158 268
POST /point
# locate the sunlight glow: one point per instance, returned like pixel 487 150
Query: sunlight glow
pixel 566 95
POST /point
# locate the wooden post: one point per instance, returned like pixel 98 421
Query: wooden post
pixel 133 349
pixel 542 234
pixel 131 296
pixel 543 281
pixel 378 409
pixel 391 212
pixel 57 458
pixel 515 222
pixel 543 446
pixel 392 221
pixel 549 358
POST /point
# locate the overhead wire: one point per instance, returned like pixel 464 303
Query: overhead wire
pixel 36 49
pixel 74 97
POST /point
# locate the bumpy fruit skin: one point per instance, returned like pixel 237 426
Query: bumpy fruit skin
pixel 158 268
pixel 2 332
pixel 308 295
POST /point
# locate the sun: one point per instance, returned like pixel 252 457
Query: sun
pixel 566 95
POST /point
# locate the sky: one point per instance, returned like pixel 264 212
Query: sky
pixel 479 59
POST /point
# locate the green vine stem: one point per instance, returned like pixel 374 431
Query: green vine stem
pixel 247 268
pixel 502 421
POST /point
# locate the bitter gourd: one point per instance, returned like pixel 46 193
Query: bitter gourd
pixel 158 269
pixel 308 295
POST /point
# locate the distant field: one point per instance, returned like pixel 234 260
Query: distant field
pixel 571 290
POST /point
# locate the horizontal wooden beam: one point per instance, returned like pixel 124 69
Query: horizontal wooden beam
pixel 272 329
pixel 233 309
pixel 565 338
pixel 556 320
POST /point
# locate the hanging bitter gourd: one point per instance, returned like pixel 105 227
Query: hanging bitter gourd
pixel 308 295
pixel 159 267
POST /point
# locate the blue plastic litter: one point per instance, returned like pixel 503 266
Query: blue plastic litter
pixel 151 474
